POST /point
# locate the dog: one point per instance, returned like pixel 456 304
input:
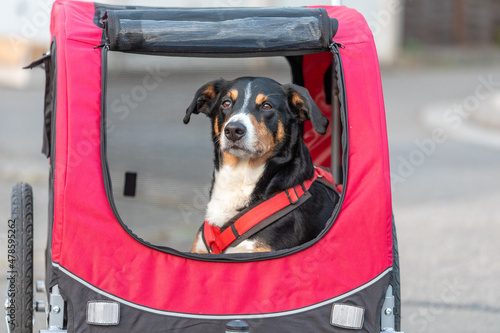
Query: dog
pixel 257 130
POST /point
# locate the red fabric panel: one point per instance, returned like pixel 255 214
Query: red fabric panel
pixel 78 91
pixel 314 68
pixel 89 241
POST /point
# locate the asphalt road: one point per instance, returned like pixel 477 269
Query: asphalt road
pixel 445 162
pixel 445 167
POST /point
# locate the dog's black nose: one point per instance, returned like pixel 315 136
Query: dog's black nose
pixel 235 130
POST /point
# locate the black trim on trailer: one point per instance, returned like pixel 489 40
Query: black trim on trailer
pixel 52 142
pixel 46 63
pixel 339 104
pixel 49 102
pixel 236 257
pixel 395 281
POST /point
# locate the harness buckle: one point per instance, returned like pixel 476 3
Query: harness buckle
pixel 214 248
pixel 210 234
pixel 293 201
pixel 319 172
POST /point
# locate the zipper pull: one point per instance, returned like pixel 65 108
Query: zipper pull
pixel 105 45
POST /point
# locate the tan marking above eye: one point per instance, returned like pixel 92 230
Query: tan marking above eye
pixel 261 98
pixel 233 94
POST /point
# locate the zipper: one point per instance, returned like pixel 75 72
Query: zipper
pixel 339 69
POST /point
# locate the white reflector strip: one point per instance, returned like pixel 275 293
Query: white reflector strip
pixel 103 313
pixel 347 316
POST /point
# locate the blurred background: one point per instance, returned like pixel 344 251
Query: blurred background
pixel 440 64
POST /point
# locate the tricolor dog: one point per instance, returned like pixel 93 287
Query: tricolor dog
pixel 266 193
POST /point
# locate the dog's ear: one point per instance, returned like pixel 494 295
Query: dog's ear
pixel 301 102
pixel 204 99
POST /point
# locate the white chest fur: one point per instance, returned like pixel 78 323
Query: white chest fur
pixel 232 189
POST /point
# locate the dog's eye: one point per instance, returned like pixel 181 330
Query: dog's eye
pixel 227 104
pixel 267 106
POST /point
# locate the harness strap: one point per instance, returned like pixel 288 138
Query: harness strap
pixel 260 216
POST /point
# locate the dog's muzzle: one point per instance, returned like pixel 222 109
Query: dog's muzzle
pixel 238 137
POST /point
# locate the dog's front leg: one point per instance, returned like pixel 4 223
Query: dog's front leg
pixel 198 245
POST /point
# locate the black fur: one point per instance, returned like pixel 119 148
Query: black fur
pixel 289 164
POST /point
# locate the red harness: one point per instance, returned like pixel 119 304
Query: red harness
pixel 249 223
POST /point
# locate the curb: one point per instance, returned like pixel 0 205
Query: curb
pixel 488 116
pixel 481 126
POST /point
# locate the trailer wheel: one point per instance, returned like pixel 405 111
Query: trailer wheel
pixel 19 298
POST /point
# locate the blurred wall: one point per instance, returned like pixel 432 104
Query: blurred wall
pixel 24 36
pixel 452 22
pixel 385 19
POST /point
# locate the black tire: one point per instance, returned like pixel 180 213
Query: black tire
pixel 20 260
pixel 395 279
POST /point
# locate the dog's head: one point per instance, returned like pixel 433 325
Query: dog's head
pixel 251 116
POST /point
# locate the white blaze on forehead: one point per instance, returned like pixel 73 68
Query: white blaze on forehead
pixel 248 93
pixel 240 115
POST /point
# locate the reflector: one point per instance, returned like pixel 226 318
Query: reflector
pixel 103 313
pixel 347 316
